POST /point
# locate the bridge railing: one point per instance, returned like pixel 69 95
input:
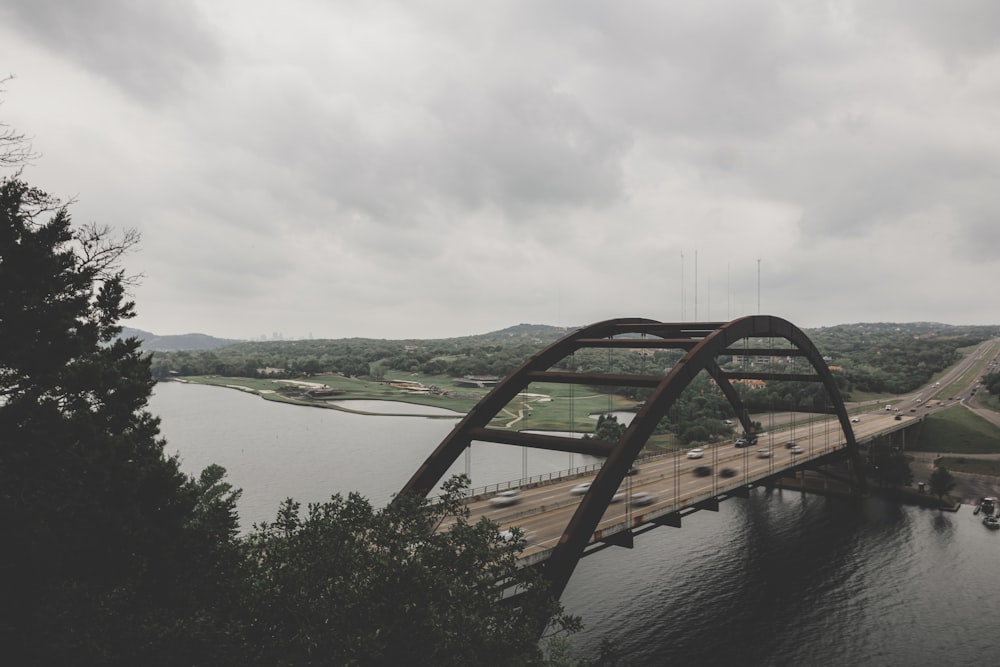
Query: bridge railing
pixel 554 476
pixel 533 480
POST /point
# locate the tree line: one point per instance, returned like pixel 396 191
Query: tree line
pixel 870 358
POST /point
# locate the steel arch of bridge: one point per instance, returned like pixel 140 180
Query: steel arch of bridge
pixel 703 343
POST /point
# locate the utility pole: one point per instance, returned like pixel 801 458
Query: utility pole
pixel 758 285
pixel 729 294
pixel 682 286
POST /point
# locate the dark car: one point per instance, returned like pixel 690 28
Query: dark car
pixel 703 471
pixel 632 471
pixel 742 442
pixel 727 472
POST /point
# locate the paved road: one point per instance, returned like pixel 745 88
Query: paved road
pixel 673 482
pixel 970 487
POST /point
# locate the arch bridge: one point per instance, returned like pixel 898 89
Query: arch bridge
pixel 701 344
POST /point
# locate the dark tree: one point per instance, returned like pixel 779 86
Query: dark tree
pixel 992 383
pixel 941 482
pixel 607 428
pixel 350 584
pixel 95 516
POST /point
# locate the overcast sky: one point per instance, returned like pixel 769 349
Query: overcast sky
pixel 421 169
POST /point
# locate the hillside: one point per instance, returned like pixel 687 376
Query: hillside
pixel 173 343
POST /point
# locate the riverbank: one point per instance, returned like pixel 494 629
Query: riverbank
pixel 813 482
pixel 969 487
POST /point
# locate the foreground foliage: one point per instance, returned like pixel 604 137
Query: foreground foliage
pixel 110 551
pixel 350 584
pixel 112 556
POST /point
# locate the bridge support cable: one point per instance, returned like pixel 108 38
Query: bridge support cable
pixel 701 344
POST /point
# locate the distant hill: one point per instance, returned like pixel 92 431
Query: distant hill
pixel 175 343
pixel 528 332
pixel 542 334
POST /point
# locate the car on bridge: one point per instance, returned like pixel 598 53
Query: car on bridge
pixel 703 471
pixel 643 498
pixel 696 453
pixel 580 489
pixel 795 449
pixel 763 453
pixel 506 498
pixel 514 534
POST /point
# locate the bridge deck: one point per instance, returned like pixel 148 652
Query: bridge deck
pixel 544 511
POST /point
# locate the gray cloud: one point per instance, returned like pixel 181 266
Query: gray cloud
pixel 151 50
pixel 413 169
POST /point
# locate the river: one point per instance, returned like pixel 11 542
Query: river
pixel 780 578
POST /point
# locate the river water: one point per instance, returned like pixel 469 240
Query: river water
pixel 781 578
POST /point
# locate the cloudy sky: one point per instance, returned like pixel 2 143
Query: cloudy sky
pixel 428 169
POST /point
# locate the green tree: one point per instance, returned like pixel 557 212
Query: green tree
pixel 349 584
pixel 95 516
pixel 992 383
pixel 941 482
pixel 607 428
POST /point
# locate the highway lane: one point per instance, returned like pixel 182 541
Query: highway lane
pixel 543 512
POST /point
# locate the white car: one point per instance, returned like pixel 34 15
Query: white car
pixel 763 453
pixel 643 498
pixel 580 489
pixel 856 419
pixel 795 449
pixel 505 498
pixel 696 453
pixel 508 535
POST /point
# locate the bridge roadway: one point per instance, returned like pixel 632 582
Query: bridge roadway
pixel 544 511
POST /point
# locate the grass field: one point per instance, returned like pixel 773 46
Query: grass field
pixel 988 401
pixel 974 466
pixel 958 431
pixel 552 407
